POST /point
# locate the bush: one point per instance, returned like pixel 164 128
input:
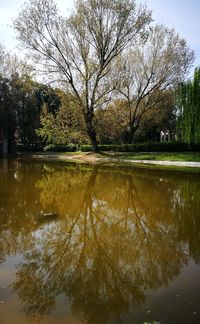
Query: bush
pixel 145 147
pixel 86 148
pixel 61 148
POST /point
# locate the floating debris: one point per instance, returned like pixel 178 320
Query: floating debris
pixel 42 216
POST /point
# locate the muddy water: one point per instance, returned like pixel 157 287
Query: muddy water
pixel 81 244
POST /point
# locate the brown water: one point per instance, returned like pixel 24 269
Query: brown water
pixel 121 245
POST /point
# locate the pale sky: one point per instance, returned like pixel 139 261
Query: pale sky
pixel 183 15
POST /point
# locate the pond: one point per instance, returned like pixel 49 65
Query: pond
pixel 98 244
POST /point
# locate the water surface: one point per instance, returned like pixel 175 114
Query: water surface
pixel 82 244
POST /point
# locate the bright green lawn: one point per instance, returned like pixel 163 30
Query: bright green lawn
pixel 194 157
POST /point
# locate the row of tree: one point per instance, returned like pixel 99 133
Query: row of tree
pixel 22 101
pixel 29 108
pixel 105 51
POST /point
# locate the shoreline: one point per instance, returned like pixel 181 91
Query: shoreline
pixel 91 158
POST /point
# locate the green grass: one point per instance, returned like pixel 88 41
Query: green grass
pixel 185 157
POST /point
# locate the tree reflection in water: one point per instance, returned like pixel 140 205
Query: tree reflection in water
pixel 118 235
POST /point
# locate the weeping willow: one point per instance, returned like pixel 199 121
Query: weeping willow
pixel 188 103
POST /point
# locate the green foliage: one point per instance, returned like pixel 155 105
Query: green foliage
pixel 48 98
pixel 188 103
pixel 21 103
pixel 50 131
pixel 64 127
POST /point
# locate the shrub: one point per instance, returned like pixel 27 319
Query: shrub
pixel 145 147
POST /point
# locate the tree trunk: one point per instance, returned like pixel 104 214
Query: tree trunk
pixel 92 134
pixel 131 136
pixel 132 131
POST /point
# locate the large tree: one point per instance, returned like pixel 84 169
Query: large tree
pixel 81 48
pixel 146 71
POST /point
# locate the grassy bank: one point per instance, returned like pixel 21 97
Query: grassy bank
pixel 118 156
pixel 169 161
pixel 184 157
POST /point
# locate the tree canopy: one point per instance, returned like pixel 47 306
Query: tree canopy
pixel 188 109
pixel 147 70
pixel 79 50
